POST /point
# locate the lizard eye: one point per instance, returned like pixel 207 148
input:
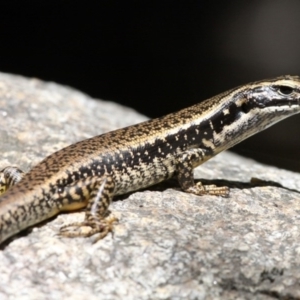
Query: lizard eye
pixel 285 90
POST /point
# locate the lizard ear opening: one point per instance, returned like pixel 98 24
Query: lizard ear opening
pixel 245 106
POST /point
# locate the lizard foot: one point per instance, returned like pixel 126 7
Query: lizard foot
pixel 200 189
pixel 89 227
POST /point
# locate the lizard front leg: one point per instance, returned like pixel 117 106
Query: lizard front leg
pixel 185 164
pixel 100 193
pixel 9 176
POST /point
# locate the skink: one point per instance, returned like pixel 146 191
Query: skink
pixel 89 173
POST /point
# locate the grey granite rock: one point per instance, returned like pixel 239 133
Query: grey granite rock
pixel 168 244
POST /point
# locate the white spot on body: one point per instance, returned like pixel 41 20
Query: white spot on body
pixel 208 143
pixel 226 111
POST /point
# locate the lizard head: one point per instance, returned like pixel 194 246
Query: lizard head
pixel 254 107
pixel 280 96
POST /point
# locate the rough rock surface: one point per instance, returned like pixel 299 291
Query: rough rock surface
pixel 168 244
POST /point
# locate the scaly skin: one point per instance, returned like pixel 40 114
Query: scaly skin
pixel 89 173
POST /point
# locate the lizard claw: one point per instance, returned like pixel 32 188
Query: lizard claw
pixel 88 227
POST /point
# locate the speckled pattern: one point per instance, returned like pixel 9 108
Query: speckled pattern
pixel 168 243
pixel 90 172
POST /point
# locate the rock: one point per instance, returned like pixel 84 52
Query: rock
pixel 168 244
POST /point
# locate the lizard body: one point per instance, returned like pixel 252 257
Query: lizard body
pixel 89 173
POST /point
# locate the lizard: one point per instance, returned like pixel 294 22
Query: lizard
pixel 89 173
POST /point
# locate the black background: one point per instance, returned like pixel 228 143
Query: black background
pixel 159 57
